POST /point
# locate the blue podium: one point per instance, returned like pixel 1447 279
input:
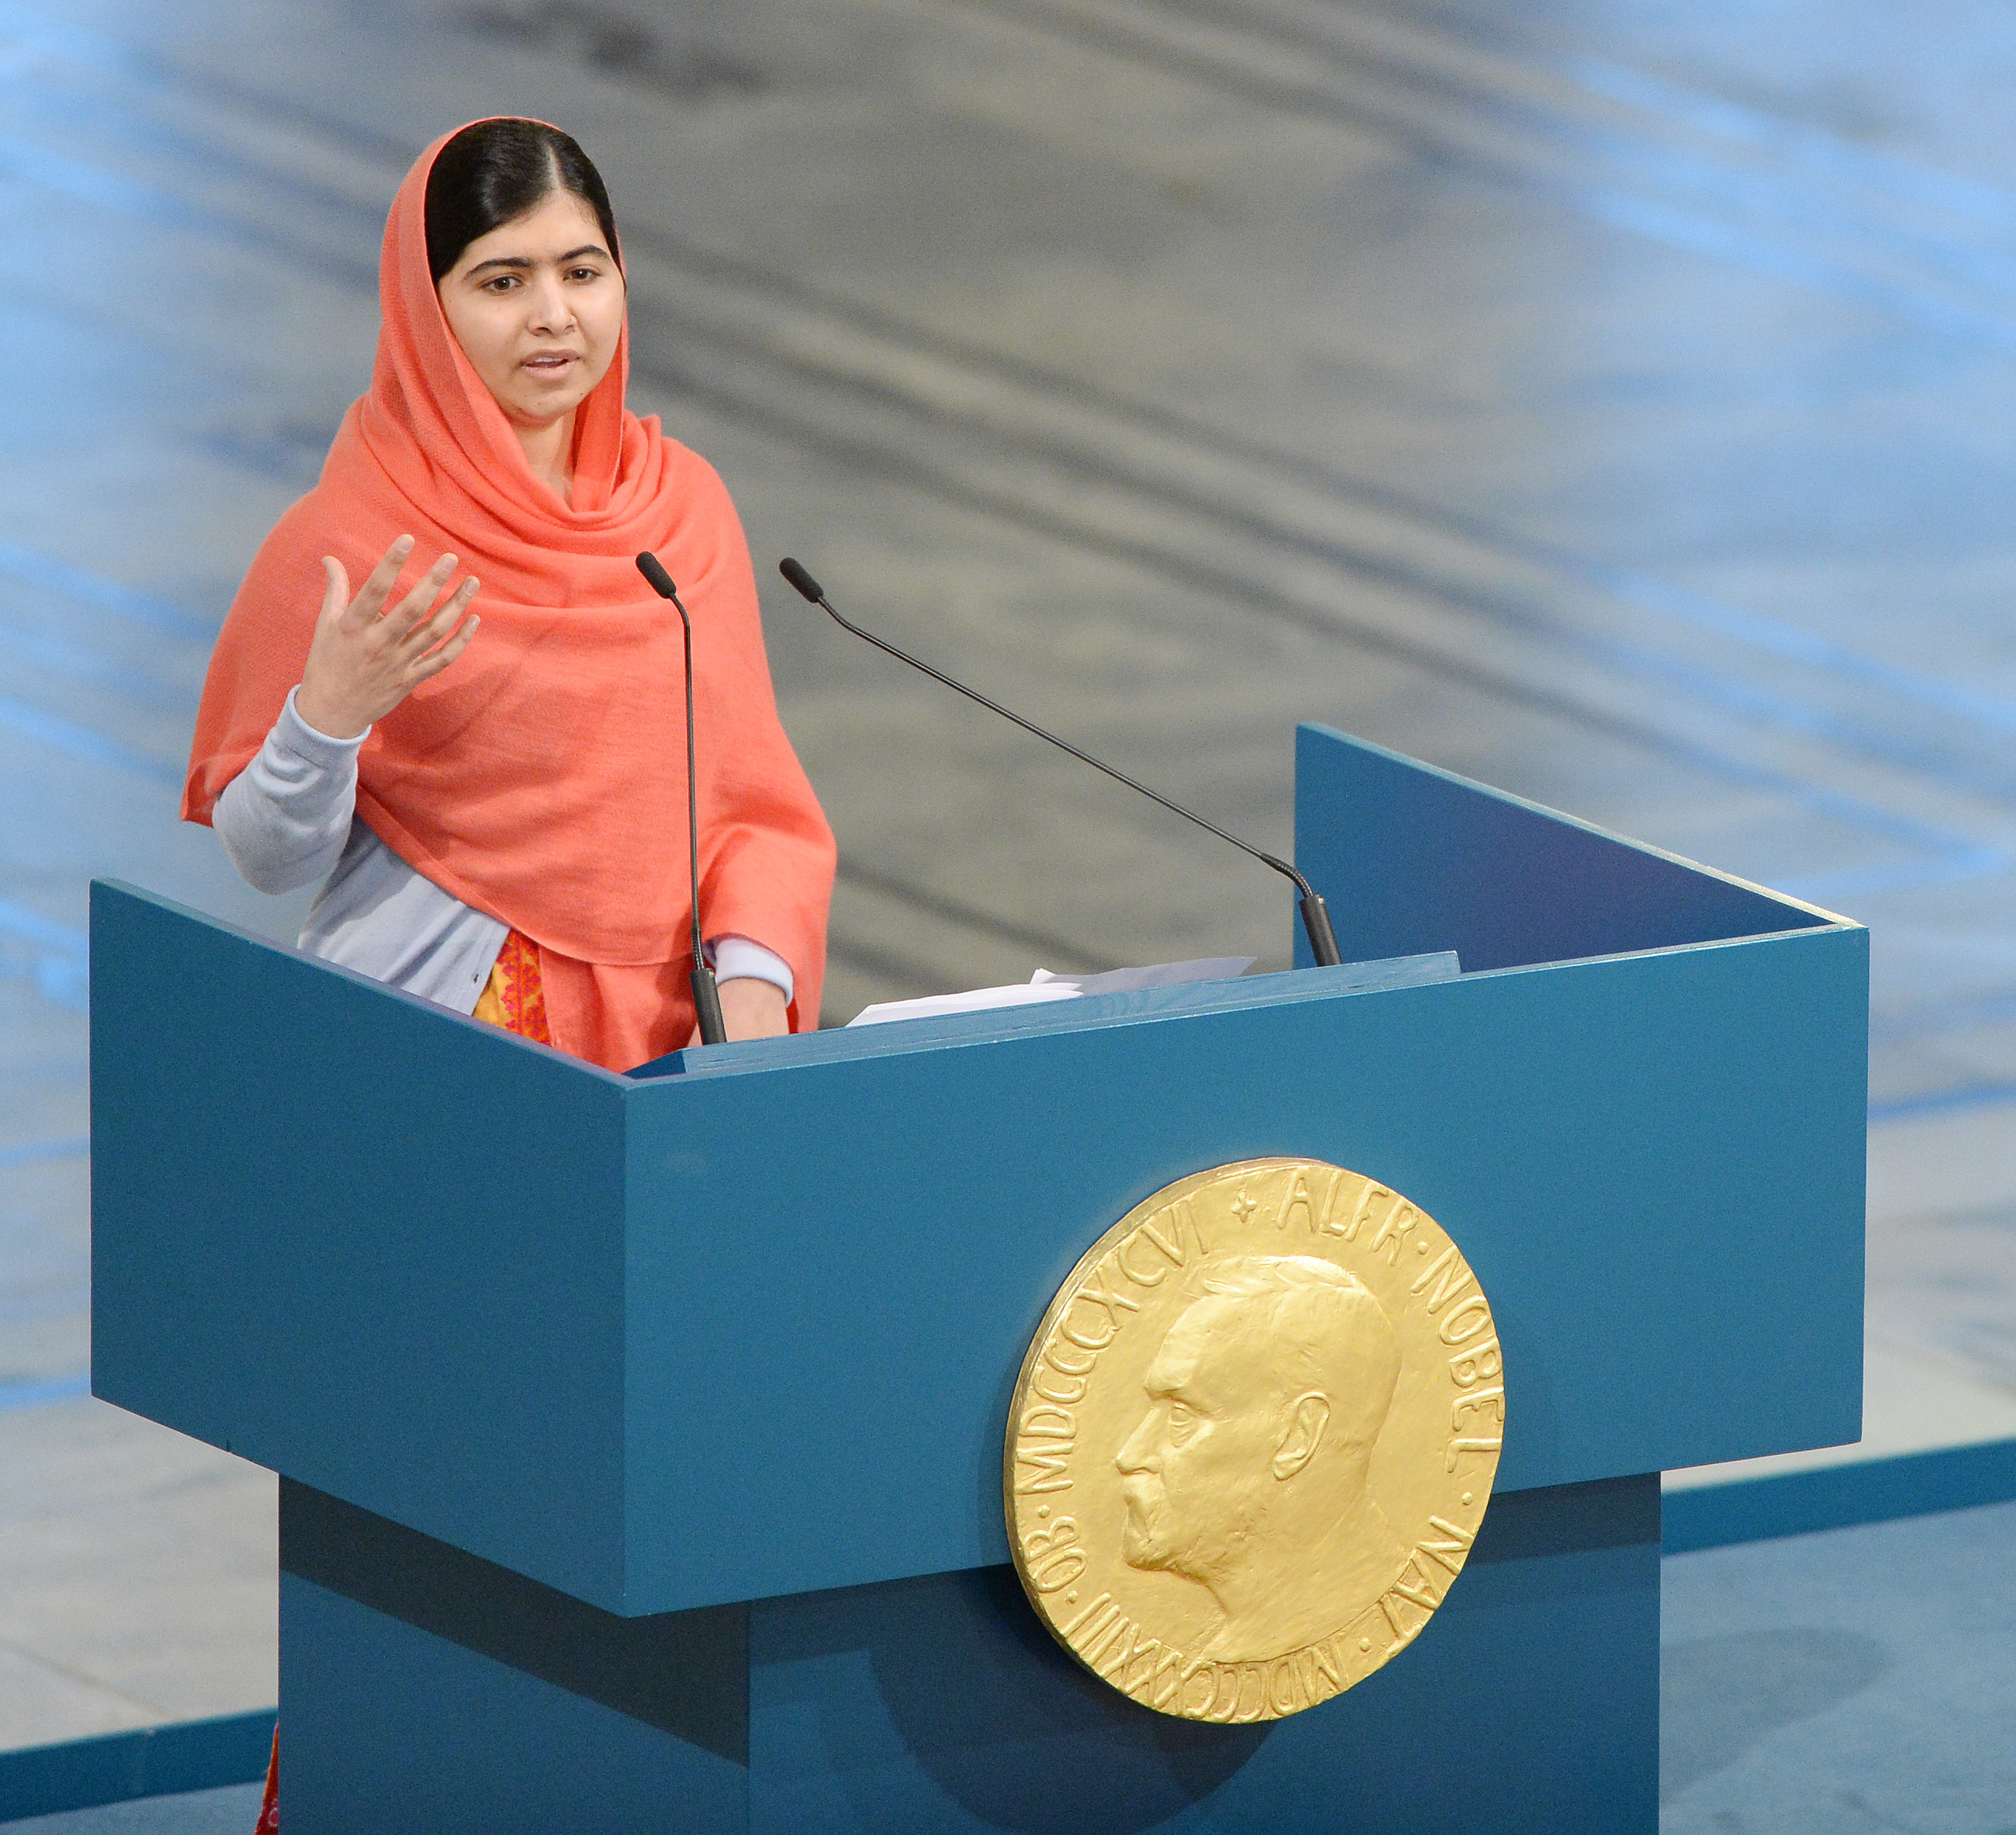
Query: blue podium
pixel 640 1438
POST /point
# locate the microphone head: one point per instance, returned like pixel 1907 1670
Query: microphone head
pixel 801 580
pixel 652 570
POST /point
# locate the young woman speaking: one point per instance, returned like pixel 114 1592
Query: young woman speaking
pixel 485 764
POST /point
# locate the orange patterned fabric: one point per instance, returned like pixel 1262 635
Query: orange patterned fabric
pixel 269 1811
pixel 515 996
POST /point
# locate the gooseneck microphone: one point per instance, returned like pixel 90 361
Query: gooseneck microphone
pixel 706 995
pixel 1315 915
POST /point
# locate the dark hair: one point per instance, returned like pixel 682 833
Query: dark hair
pixel 493 172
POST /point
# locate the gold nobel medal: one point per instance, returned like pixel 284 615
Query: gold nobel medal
pixel 1254 1439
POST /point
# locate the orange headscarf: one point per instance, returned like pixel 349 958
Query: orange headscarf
pixel 541 778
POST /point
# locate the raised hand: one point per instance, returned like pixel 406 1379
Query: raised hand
pixel 363 661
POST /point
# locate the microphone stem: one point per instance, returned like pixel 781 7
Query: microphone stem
pixel 1315 916
pixel 706 991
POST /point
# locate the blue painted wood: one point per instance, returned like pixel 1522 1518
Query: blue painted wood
pixel 1409 858
pixel 1529 1706
pixel 148 1761
pixel 392 1729
pixel 1653 1165
pixel 746 1333
pixel 939 1703
pixel 591 1328
pixel 1838 1497
pixel 343 1233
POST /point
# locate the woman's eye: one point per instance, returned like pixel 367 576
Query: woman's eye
pixel 587 274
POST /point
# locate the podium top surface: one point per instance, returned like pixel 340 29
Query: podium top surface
pixel 1087 1012
pixel 747 1325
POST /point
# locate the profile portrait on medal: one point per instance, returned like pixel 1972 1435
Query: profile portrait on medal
pixel 1247 1473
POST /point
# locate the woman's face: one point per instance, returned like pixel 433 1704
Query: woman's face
pixel 537 306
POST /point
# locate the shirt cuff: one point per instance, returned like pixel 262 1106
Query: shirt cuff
pixel 743 959
pixel 305 742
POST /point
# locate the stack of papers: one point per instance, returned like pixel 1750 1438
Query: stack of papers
pixel 1044 986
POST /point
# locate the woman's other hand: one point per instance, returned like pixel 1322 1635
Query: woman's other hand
pixel 363 664
pixel 751 1008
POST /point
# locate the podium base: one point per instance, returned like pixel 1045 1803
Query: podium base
pixel 424 1690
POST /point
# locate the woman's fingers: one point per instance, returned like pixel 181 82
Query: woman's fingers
pixel 414 610
pixel 421 640
pixel 378 584
pixel 364 661
pixel 436 660
pixel 438 641
pixel 335 588
pixel 443 621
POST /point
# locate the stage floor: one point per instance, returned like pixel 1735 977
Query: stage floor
pixel 231 1811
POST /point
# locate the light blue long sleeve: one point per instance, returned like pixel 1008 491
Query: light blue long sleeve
pixel 289 817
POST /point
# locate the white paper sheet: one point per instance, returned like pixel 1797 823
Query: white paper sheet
pixel 1044 986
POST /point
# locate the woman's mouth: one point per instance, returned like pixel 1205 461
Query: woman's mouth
pixel 549 364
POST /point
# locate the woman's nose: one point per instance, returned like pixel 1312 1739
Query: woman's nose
pixel 550 311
